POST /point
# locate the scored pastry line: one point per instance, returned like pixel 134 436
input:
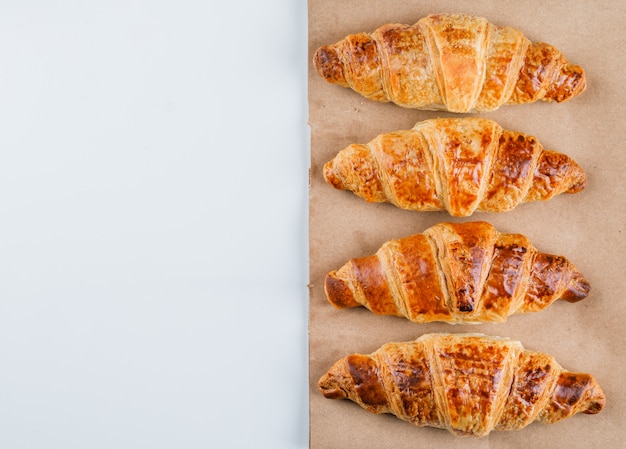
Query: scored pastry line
pixel 458 99
pixel 510 364
pixel 549 387
pixel 488 42
pixel 384 67
pixel 384 363
pixel 517 300
pixel 490 159
pixel 444 259
pixel 480 291
pixel 436 378
pixel 430 158
pixel 355 286
pixel 382 175
pixel 437 145
pixel 388 268
pixel 440 273
pixel 489 249
pixel 435 58
pixel 538 152
pixel 438 167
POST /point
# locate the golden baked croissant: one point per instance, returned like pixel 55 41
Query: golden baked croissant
pixel 455 62
pixel 469 384
pixel 456 273
pixel 454 164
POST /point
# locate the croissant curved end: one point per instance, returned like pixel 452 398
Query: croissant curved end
pixel 338 292
pixel 578 288
pixel 327 62
pixel 330 386
pixel 579 179
pixel 578 393
pixel 331 177
pixel 595 401
pixel 569 82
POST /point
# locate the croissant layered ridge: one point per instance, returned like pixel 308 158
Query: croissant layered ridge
pixel 469 384
pixel 460 165
pixel 455 62
pixel 456 273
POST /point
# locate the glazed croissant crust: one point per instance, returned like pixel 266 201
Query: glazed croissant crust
pixel 469 384
pixel 455 62
pixel 456 164
pixel 456 273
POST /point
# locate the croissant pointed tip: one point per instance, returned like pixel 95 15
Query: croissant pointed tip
pixel 336 383
pixel 577 393
pixel 338 292
pixel 596 401
pixel 328 64
pixel 579 179
pixel 578 289
pixel 331 177
pixel 329 386
pixel 569 82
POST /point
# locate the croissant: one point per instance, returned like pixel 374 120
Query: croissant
pixel 469 384
pixel 454 164
pixel 456 273
pixel 453 62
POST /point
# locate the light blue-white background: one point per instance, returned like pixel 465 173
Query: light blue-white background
pixel 153 213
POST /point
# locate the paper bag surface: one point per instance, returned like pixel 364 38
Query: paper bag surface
pixel 589 228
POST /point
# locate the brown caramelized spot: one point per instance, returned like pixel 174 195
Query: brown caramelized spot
pixel 553 277
pixel 331 177
pixel 569 390
pixel 465 252
pixel 536 72
pixel 371 276
pixel 547 75
pixel 353 168
pixel 408 364
pixel 363 50
pixel 453 33
pixel 338 292
pixel 574 393
pixel 551 165
pixel 402 160
pixel 473 373
pixel 505 276
pixel 513 165
pixel 362 65
pixel 329 65
pixel 416 270
pixel 531 383
pixel 485 139
pixel 547 271
pixel 394 38
pixel 334 393
pixel 556 173
pixel 516 161
pixel 568 83
pixel 578 288
pixel 466 293
pixel 528 391
pixel 367 383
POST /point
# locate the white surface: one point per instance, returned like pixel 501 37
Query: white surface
pixel 153 210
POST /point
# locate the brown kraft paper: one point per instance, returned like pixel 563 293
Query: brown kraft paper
pixel 588 228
